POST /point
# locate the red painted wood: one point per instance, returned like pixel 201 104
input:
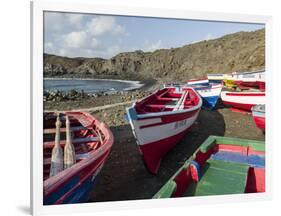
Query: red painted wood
pixel 153 152
pixel 256 180
pixel 240 106
pixel 260 122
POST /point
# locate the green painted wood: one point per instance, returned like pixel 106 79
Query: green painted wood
pixel 256 145
pixel 212 140
pixel 222 177
pixel 208 144
pixel 167 190
pixel 230 170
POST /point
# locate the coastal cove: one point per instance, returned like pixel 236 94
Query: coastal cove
pixel 90 85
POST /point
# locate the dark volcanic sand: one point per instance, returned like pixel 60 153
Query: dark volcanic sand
pixel 124 176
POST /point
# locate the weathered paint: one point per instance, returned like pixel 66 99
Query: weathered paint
pixel 74 184
pixel 158 126
pixel 228 166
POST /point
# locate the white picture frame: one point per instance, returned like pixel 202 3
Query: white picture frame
pixel 37 9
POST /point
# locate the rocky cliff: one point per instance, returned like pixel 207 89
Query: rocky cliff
pixel 235 52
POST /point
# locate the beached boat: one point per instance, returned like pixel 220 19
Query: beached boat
pixel 219 166
pixel 255 79
pixel 243 100
pixel 215 78
pixel 203 81
pixel 229 81
pixel 91 140
pixel 210 93
pixel 258 113
pixel 160 120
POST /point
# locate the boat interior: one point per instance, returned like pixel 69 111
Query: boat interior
pixel 86 138
pixel 168 99
pixel 223 169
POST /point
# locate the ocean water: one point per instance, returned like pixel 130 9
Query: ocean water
pixel 90 85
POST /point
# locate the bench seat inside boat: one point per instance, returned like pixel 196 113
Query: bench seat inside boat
pixel 220 177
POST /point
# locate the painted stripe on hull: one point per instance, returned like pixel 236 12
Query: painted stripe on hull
pixel 164 119
pixel 79 195
pixel 244 101
pixel 153 134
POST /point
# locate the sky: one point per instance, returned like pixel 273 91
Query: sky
pixel 87 35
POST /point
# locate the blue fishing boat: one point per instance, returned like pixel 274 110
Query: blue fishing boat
pixel 210 93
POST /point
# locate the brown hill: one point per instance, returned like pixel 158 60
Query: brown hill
pixel 234 52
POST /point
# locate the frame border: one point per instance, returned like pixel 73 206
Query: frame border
pixel 37 9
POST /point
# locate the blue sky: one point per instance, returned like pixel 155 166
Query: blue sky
pixel 84 35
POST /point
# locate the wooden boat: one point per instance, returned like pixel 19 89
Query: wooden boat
pixel 203 81
pixel 160 120
pixel 219 166
pixel 243 100
pixel 215 78
pixel 255 79
pixel 258 113
pixel 229 81
pixel 92 141
pixel 210 93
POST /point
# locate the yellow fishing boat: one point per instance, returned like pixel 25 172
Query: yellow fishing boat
pixel 229 81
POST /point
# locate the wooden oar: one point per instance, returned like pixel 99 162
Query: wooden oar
pixel 57 153
pixel 69 151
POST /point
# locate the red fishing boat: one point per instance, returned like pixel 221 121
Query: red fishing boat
pixel 221 165
pixel 92 141
pixel 243 100
pixel 255 79
pixel 160 121
pixel 258 113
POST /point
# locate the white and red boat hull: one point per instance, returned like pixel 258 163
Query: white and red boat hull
pixel 258 113
pixel 203 81
pixel 242 100
pixel 250 79
pixel 157 132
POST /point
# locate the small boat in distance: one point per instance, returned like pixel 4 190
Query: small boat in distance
pixel 210 93
pixel 215 78
pixel 255 79
pixel 258 113
pixel 160 120
pixel 91 140
pixel 243 100
pixel 203 81
pixel 220 166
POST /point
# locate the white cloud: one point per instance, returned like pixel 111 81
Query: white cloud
pixel 104 24
pixel 207 37
pixel 75 39
pixel 75 20
pixel 113 50
pixel 151 46
pixel 82 35
pixel 79 40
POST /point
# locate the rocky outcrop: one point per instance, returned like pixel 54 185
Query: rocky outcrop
pixel 235 52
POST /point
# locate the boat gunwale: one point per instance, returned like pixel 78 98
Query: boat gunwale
pixel 53 183
pixel 165 113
